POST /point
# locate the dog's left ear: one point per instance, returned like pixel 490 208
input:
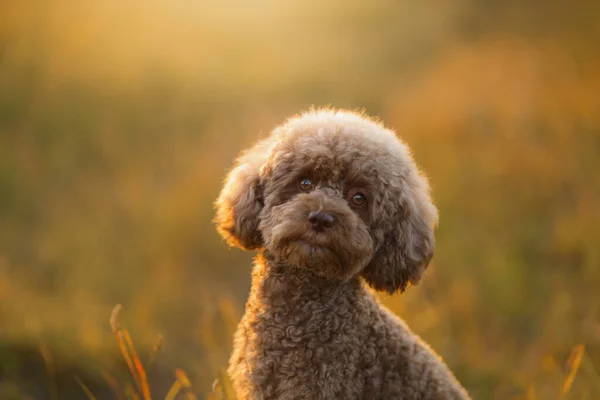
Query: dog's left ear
pixel 406 242
pixel 240 201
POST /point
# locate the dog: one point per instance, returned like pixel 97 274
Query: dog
pixel 332 201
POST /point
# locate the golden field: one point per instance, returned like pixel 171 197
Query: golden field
pixel 119 119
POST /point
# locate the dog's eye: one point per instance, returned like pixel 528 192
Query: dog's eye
pixel 358 199
pixel 305 184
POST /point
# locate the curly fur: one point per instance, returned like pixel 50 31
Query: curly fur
pixel 311 329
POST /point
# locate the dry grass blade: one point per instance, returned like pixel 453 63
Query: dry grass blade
pixel 155 349
pixel 130 392
pixel 114 318
pixel 185 382
pixel 127 357
pixel 218 388
pixel 86 390
pixel 173 391
pixel 50 369
pixel 142 378
pixel 216 385
pixel 183 378
pixel 129 354
pixel 573 363
pixel 114 385
pixel 223 380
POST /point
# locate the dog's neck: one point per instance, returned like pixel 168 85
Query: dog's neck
pixel 277 283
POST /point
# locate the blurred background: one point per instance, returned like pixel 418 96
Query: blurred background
pixel 119 119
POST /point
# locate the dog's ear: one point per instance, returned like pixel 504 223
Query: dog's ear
pixel 405 236
pixel 240 201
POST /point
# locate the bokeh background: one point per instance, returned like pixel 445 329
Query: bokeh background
pixel 119 119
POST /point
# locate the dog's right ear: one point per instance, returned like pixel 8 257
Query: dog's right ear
pixel 240 201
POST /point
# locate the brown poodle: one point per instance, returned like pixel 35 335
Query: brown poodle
pixel 328 199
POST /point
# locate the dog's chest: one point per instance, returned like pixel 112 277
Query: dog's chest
pixel 314 346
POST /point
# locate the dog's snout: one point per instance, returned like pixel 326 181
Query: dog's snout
pixel 321 220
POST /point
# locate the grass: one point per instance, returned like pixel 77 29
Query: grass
pixel 109 165
pixel 138 387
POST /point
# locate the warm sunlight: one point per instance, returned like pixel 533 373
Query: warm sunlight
pixel 120 119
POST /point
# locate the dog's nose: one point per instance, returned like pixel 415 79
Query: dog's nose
pixel 320 220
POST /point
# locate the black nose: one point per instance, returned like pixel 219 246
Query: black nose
pixel 320 220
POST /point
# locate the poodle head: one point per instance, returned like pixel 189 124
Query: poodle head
pixel 336 193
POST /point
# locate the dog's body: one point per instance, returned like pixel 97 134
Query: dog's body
pixel 303 337
pixel 329 199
